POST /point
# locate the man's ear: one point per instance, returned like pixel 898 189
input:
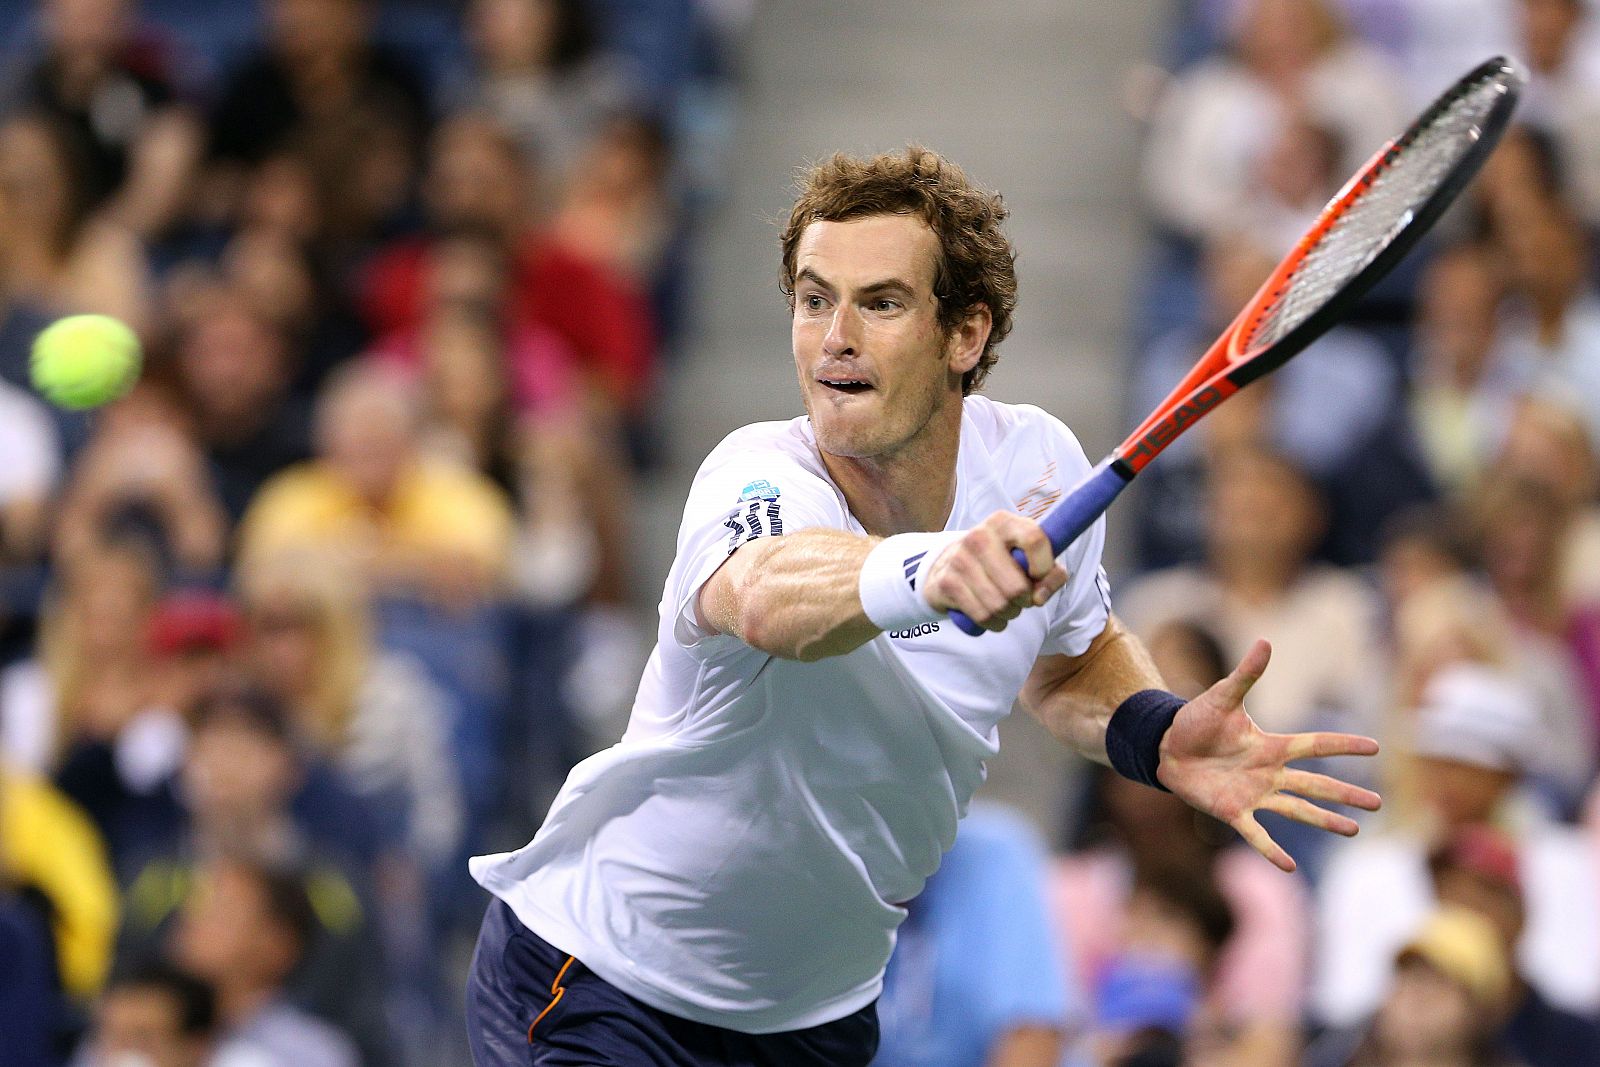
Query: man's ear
pixel 967 340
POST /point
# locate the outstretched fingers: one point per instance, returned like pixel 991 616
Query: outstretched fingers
pixel 1316 786
pixel 1319 745
pixel 1258 838
pixel 1301 810
pixel 1232 689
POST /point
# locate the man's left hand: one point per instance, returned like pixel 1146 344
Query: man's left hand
pixel 1219 761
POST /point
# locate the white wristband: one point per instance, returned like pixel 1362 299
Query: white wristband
pixel 892 579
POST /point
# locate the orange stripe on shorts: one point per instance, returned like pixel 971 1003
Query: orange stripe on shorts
pixel 558 990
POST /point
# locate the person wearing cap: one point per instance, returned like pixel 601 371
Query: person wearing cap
pixel 1478 869
pixel 120 778
pixel 1468 754
pixel 1449 991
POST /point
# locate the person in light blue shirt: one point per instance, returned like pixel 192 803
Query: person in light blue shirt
pixel 977 976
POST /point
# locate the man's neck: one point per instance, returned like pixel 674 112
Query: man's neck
pixel 912 488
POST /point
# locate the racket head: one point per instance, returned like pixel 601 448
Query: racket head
pixel 1367 228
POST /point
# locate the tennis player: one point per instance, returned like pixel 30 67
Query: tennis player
pixel 723 885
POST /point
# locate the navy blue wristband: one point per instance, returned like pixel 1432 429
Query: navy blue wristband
pixel 1133 737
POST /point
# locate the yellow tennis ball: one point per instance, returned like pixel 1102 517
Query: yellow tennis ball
pixel 83 361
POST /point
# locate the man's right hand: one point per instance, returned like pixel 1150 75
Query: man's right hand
pixel 977 576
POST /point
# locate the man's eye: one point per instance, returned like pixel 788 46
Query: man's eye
pixel 885 305
pixel 815 303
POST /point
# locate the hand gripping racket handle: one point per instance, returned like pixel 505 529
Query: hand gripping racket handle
pixel 1067 522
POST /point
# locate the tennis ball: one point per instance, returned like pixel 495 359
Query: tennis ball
pixel 83 361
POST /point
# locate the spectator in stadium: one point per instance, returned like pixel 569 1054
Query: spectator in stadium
pixel 1423 548
pixel 1153 989
pixel 318 66
pixel 108 82
pixel 1563 94
pixel 1451 983
pixel 119 777
pixel 1216 121
pixel 155 1015
pixel 1461 394
pixel 982 913
pixel 1294 177
pixel 89 674
pixel 249 789
pixel 538 70
pixel 477 182
pixel 1526 526
pixel 1264 518
pixel 236 366
pixel 373 714
pixel 52 852
pixel 1433 42
pixel 509 407
pixel 364 164
pixel 1551 337
pixel 245 928
pixel 622 215
pixel 297 283
pixel 410 523
pixel 1319 412
pixel 1467 755
pixel 1478 870
pixel 60 255
pixel 1521 177
pixel 1244 977
pixel 616 213
pixel 142 471
pixel 1548 442
pixel 535 374
pixel 1452 619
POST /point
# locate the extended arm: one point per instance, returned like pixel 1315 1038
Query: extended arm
pixel 1074 696
pixel 1212 755
pixel 795 597
pixel 799 596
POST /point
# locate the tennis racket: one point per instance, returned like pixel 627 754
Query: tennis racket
pixel 1363 232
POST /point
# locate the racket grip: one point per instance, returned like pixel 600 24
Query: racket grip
pixel 1067 522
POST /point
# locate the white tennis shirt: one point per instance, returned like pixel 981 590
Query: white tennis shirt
pixel 738 857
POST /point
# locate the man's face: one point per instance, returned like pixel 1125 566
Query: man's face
pixel 873 362
pixel 143 1026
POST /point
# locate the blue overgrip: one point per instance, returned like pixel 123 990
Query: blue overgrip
pixel 1067 522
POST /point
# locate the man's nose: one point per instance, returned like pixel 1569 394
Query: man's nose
pixel 844 332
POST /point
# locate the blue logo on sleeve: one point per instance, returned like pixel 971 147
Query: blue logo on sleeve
pixel 759 490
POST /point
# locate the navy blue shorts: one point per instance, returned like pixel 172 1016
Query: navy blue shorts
pixel 531 1005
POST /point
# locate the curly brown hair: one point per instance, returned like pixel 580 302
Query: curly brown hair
pixel 977 264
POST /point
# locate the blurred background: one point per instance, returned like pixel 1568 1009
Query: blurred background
pixel 443 303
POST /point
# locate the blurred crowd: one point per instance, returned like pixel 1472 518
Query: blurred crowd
pixel 337 594
pixel 1410 512
pixel 333 598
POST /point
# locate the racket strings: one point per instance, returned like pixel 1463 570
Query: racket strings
pixel 1396 187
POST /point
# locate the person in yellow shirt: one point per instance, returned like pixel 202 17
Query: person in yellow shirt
pixel 48 845
pixel 412 522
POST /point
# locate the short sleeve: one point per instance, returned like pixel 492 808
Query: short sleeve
pixel 1081 610
pixel 749 488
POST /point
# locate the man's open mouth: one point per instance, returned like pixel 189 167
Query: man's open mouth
pixel 846 385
